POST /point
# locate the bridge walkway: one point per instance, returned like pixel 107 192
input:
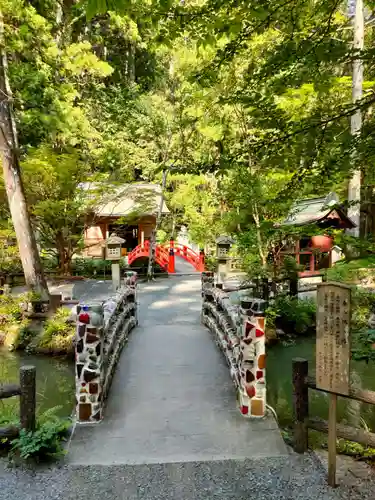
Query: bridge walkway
pixel 172 399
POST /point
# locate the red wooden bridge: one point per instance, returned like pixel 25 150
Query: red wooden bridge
pixel 165 255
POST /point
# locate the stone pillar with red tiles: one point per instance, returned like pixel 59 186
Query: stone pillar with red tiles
pixel 252 358
pixel 89 361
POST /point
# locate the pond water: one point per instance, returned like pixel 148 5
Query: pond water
pixel 55 380
pixel 279 386
pixel 55 383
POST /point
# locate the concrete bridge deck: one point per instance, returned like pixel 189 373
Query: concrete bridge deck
pixel 172 399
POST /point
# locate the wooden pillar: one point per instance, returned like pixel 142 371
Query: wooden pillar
pixel 28 397
pixel 300 404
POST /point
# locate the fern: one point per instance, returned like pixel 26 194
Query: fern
pixel 46 441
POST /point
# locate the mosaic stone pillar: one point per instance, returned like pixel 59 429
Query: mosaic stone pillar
pixel 252 358
pixel 89 363
pixel 207 279
pixel 131 281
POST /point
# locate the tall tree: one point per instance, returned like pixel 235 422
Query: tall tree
pixel 354 190
pixel 29 254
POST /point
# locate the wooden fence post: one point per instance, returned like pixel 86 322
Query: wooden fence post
pixel 28 397
pixel 293 286
pixel 300 404
pixel 265 289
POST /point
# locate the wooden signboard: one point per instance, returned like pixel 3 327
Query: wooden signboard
pixel 333 338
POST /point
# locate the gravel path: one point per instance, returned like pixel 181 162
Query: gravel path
pixel 284 478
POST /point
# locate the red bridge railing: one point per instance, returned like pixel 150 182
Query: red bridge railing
pixel 165 255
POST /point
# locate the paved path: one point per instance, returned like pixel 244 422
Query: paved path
pixel 172 399
pixel 182 266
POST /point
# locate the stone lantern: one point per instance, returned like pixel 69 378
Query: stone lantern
pixel 223 246
pixel 113 252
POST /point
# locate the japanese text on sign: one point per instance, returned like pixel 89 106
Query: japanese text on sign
pixel 333 338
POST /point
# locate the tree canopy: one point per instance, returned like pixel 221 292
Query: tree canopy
pixel 247 104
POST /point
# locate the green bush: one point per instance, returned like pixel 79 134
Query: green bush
pixel 93 267
pixel 25 335
pixel 351 271
pixel 46 440
pixel 210 263
pixel 10 262
pixel 363 345
pixel 11 308
pixel 12 325
pixel 49 263
pixel 363 304
pixel 58 333
pixel 292 315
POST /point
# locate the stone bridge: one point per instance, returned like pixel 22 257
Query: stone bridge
pixel 170 395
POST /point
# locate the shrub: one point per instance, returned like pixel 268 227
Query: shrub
pixel 10 262
pixel 11 308
pixel 58 333
pixel 292 315
pixel 351 271
pixel 12 325
pixel 46 440
pixel 210 263
pixel 363 304
pixel 93 267
pixel 363 348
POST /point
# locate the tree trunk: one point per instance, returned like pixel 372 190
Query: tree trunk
pixel 354 189
pixel 261 251
pixel 64 253
pixel 28 249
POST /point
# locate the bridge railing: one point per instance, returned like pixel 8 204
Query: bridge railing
pixel 190 255
pixel 239 331
pixel 164 255
pixel 102 331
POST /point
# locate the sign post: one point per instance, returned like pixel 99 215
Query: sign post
pixel 333 354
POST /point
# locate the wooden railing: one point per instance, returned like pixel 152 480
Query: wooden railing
pixel 26 390
pixel 302 382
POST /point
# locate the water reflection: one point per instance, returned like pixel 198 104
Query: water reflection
pixel 279 386
pixel 55 379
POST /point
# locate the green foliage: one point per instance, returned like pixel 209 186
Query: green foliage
pixel 210 262
pixel 352 271
pixel 355 449
pixel 294 316
pixel 93 267
pixel 363 304
pixel 58 333
pixel 11 308
pixel 9 257
pixel 247 107
pixel 363 347
pixel 46 441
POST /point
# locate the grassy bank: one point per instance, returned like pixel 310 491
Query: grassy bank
pixel 53 335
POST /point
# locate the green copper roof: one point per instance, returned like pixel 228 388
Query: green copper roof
pixel 313 210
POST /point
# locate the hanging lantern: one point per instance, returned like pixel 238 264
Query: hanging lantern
pixel 322 243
